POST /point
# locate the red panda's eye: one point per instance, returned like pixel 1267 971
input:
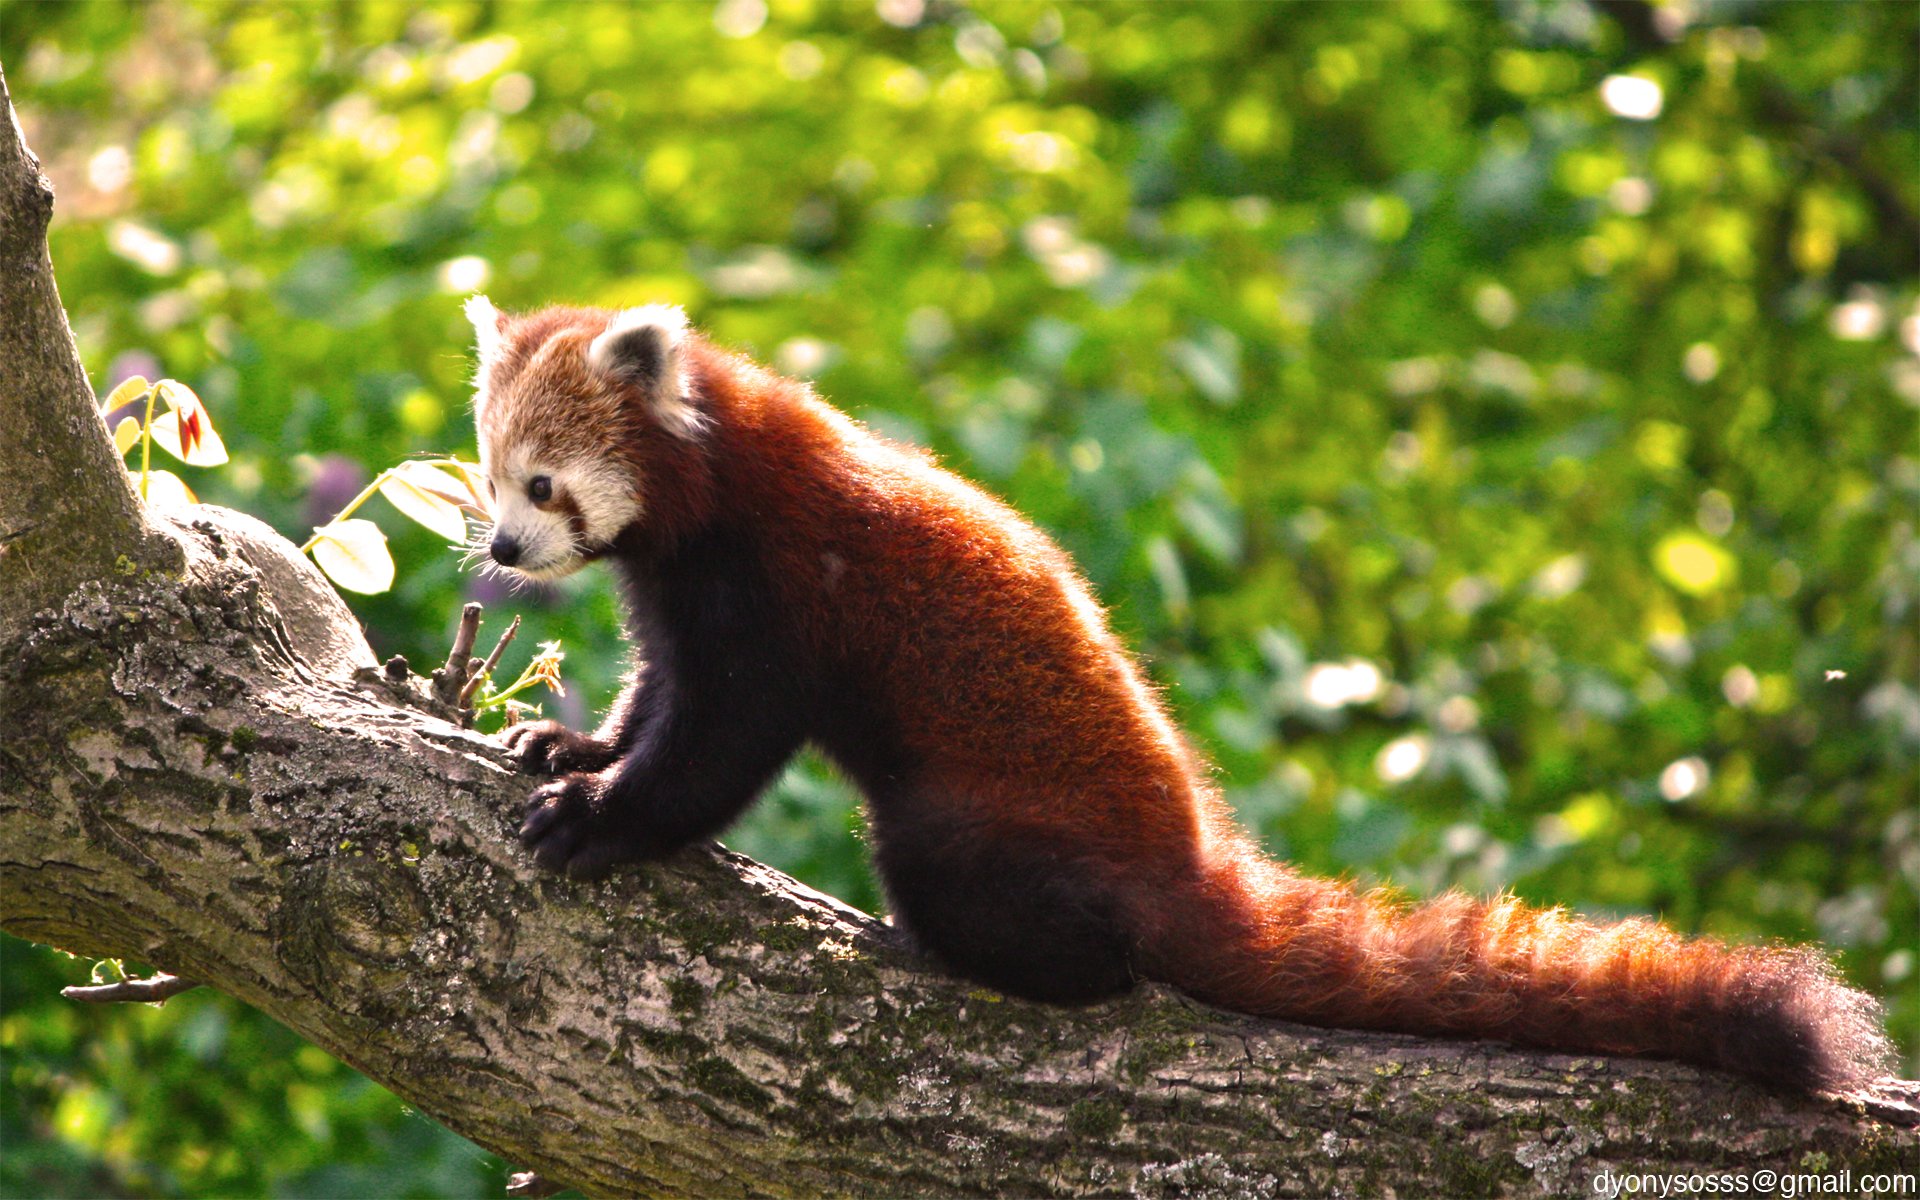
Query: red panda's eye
pixel 541 489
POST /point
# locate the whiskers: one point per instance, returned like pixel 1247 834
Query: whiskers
pixel 476 554
pixel 478 549
pixel 578 548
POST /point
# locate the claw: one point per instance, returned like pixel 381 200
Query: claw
pixel 595 860
pixel 550 748
pixel 566 832
pixel 559 817
pixel 539 820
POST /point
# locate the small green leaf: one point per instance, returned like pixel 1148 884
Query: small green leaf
pixel 109 970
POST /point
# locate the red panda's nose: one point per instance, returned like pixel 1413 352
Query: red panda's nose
pixel 504 549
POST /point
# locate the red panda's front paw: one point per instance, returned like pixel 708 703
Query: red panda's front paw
pixel 568 832
pixel 550 748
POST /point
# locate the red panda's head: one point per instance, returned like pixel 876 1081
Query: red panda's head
pixel 571 405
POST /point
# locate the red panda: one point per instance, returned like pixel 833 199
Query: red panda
pixel 1038 823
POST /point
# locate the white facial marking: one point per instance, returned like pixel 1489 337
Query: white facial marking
pixel 551 545
pixel 604 493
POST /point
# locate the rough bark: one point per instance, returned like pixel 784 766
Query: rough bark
pixel 85 519
pixel 202 768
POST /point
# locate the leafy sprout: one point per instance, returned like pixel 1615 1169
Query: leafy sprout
pixel 184 429
pixel 544 668
pixel 438 493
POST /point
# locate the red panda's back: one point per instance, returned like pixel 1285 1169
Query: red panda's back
pixel 982 650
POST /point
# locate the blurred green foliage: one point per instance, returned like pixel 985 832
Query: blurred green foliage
pixel 1496 424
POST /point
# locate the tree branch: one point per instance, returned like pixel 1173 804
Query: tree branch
pixel 68 512
pixel 204 768
pixel 156 989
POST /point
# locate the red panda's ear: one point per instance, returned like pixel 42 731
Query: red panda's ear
pixel 488 332
pixel 642 348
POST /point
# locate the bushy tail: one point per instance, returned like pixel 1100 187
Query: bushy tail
pixel 1254 936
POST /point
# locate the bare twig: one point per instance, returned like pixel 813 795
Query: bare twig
pixel 157 989
pixel 486 668
pixel 531 1183
pixel 450 681
pixel 464 636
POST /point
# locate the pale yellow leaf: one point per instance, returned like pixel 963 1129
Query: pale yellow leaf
pixel 207 449
pixel 166 434
pixel 476 485
pixel 175 394
pixel 125 434
pixel 450 483
pixel 408 486
pixel 188 434
pixel 167 490
pixel 129 389
pixel 354 555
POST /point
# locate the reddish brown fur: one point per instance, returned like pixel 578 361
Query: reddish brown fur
pixel 1008 743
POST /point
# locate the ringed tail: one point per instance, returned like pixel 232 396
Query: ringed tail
pixel 1255 936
